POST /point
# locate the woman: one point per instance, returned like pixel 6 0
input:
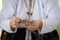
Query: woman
pixel 41 15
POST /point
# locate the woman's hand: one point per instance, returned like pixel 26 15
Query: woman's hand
pixel 14 23
pixel 35 25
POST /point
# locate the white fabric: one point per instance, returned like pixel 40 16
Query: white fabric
pixel 47 11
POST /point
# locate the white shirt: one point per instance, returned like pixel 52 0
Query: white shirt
pixel 49 14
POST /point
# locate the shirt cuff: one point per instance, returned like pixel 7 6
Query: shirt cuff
pixel 42 27
pixel 46 28
pixel 6 26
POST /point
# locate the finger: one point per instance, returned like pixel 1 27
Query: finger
pixel 14 26
pixel 12 23
pixel 16 19
pixel 26 23
pixel 31 29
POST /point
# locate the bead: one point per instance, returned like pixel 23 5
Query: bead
pixel 27 12
pixel 31 14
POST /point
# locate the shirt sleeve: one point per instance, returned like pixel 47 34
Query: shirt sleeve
pixel 6 14
pixel 52 17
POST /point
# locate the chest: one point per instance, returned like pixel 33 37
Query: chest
pixel 36 9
